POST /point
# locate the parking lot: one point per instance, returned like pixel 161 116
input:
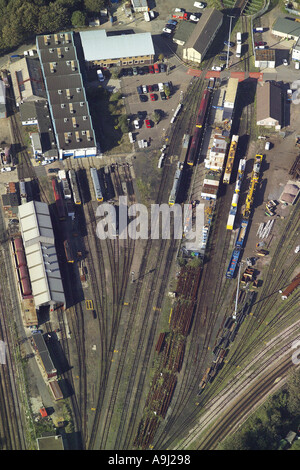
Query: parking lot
pixel 141 110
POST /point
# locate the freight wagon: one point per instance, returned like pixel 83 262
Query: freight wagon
pixel 55 389
pixel 290 289
pixel 230 159
pixel 96 185
pixel 68 252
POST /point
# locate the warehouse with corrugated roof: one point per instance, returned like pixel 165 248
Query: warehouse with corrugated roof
pixel 42 262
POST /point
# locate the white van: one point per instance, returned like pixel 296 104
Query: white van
pixel 100 75
pixel 297 65
pixel 238 38
pixel 147 16
pixel 267 146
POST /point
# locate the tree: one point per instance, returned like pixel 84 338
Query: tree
pixel 123 123
pixel 94 6
pixel 78 19
pixel 156 117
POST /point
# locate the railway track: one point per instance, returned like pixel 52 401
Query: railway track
pixel 12 433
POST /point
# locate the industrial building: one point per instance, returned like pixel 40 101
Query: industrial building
pixel 102 49
pixel 43 357
pixel 39 244
pixel 139 5
pixel 287 28
pixel 265 58
pixel 269 105
pixel 203 35
pixel 68 106
pixel 37 113
pixel 27 80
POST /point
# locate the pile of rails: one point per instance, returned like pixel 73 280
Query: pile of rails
pixel 170 348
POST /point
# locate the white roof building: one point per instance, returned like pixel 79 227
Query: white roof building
pixel 98 46
pixel 42 262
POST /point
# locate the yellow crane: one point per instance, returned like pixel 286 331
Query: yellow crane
pixel 252 186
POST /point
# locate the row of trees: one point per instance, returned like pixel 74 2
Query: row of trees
pixel 22 20
pixel 272 421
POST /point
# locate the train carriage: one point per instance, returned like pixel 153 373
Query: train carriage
pixel 97 186
pixel 194 147
pixel 74 186
pixel 58 200
pixel 203 109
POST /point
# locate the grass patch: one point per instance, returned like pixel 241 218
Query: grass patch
pixel 110 120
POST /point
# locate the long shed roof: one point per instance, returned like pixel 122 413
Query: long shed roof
pixel 97 45
pixel 206 27
pixel 42 262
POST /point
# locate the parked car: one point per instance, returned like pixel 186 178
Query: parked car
pixel 139 90
pixel 100 75
pixel 267 145
pixel 143 98
pixel 136 124
pixel 135 70
pixel 4 169
pixel 259 43
pixel 153 97
pixel 130 72
pixel 161 86
pixel 152 14
pixel 155 87
pixel 156 68
pixel 148 124
pixel 145 88
pixel 167 30
pixel 150 89
pixel 172 22
pixel 146 69
pixel 194 18
pixel 222 57
pixel 162 67
pixel 170 26
pixel 285 62
pixel 124 73
pixel 151 69
pixel 226 43
pixel 53 170
pixel 179 10
pixel 163 95
pixel 216 68
pixel 199 5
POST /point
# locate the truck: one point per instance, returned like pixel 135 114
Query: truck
pixel 289 94
pixel 147 16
